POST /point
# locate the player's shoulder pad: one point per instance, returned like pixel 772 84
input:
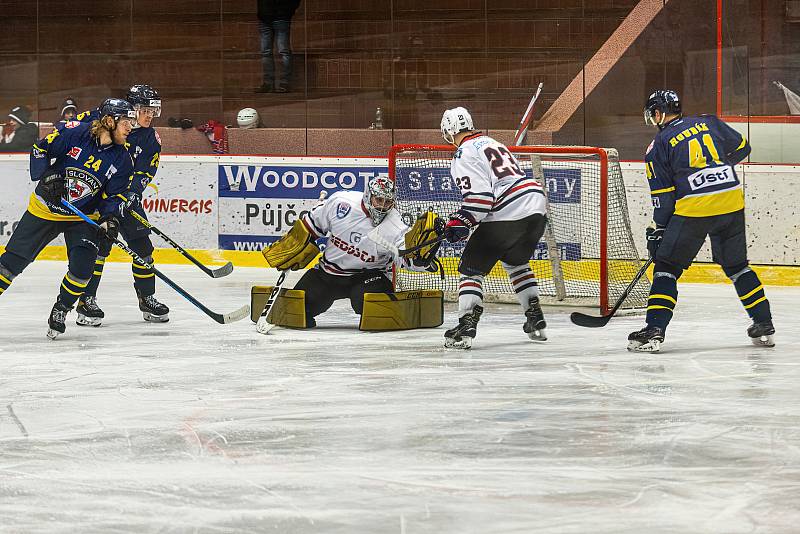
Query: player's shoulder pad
pixel 73 128
pixel 394 223
pixel 88 116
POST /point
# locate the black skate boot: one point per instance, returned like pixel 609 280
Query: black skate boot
pixel 57 319
pixel 762 334
pixel 648 339
pixel 89 313
pixel 534 325
pixel 461 336
pixel 152 310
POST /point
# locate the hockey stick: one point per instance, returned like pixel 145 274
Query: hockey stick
pixel 227 318
pixel 263 327
pixel 378 238
pixel 522 129
pixel 591 321
pixel 225 270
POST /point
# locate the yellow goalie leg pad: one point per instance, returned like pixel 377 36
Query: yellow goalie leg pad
pixel 402 311
pixel 288 310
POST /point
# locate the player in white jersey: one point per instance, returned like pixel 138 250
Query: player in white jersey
pixel 504 210
pixel 352 263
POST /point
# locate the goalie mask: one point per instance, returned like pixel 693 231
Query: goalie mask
pixel 379 198
pixel 455 121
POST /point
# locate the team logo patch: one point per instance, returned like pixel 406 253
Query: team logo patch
pixel 74 152
pixel 72 124
pixel 78 189
pixel 649 147
pixel 342 210
pixel 355 238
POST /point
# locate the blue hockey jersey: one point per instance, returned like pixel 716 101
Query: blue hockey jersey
pixel 144 145
pixel 96 175
pixel 690 170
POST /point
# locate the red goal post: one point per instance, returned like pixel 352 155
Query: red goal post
pixel 587 255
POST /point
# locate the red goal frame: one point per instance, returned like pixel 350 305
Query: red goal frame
pixel 602 156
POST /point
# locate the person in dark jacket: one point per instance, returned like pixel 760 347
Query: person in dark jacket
pixel 19 133
pixel 275 18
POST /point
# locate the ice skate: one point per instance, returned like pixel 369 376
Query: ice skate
pixel 461 336
pixel 89 313
pixel 56 321
pixel 762 334
pixel 152 310
pixel 648 339
pixel 535 324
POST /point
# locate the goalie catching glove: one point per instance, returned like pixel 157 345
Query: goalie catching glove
pixel 428 227
pixel 293 251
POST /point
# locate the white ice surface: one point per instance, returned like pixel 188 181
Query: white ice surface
pixel 192 426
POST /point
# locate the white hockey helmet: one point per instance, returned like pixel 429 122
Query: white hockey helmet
pixel 455 121
pixel 247 118
pixel 379 198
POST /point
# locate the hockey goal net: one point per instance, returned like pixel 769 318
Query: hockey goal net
pixel 587 256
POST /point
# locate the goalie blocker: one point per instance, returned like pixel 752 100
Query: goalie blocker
pixel 381 312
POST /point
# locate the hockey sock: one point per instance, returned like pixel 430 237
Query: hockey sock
pixel 470 293
pixel 751 293
pixel 524 283
pixel 662 299
pixel 91 289
pixel 144 279
pixel 6 277
pixel 72 288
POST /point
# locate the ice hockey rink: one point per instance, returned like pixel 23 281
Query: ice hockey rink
pixel 191 426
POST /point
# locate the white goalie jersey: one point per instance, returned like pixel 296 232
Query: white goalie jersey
pixel 493 185
pixel 343 218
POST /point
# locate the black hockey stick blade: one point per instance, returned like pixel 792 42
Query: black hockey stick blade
pixel 225 270
pixel 589 321
pixel 227 318
pixel 592 321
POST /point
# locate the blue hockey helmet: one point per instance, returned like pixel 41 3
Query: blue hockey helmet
pixel 141 95
pixel 117 108
pixel 665 101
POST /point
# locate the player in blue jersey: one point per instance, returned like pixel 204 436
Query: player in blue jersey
pixel 696 193
pixel 88 165
pixel 144 145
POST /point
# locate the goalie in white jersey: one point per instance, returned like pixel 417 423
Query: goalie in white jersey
pixel 354 262
pixel 504 210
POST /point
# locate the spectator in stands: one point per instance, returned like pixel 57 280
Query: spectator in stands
pixel 275 18
pixel 68 110
pixel 19 133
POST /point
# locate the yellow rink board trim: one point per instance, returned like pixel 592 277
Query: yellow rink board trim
pixel 700 273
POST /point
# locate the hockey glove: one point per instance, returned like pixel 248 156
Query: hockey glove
pixel 131 202
pixel 52 187
pixel 654 236
pixel 109 228
pixel 458 227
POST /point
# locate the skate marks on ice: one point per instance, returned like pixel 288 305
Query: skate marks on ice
pixel 187 426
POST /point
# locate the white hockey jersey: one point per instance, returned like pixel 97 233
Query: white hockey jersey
pixel 344 219
pixel 493 186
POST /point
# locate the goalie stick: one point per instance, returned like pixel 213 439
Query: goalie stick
pixel 264 327
pixel 522 129
pixel 225 270
pixel 591 321
pixel 226 318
